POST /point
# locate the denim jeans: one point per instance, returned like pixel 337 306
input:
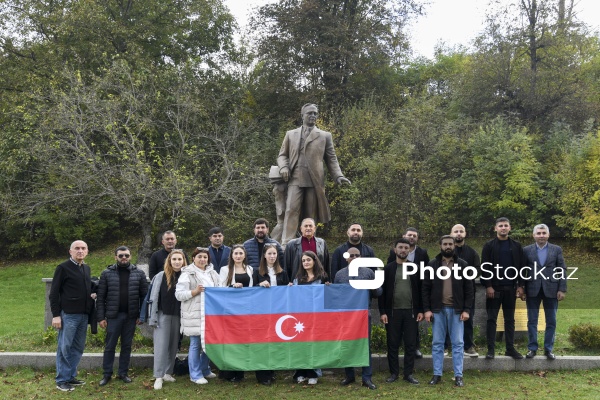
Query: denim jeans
pixel 124 327
pixel 197 359
pixel 447 320
pixel 71 342
pixel 533 312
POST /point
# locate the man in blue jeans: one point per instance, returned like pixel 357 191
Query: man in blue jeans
pixel 447 299
pixel 343 276
pixel 71 302
pixel 121 291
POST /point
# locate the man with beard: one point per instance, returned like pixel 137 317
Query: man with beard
pixel 416 255
pixel 254 247
pixel 467 253
pixel 447 298
pixel 120 293
pixel 355 234
pixel 400 309
pixel 497 256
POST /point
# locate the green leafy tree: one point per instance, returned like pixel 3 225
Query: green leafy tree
pixel 531 63
pixel 579 198
pixel 332 52
pixel 501 178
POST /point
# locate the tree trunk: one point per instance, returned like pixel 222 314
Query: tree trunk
pixel 145 250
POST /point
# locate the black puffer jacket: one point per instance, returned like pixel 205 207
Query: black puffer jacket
pixel 108 299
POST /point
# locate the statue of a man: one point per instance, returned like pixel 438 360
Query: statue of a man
pixel 300 164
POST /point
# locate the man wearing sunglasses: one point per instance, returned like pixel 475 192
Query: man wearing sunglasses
pixel 121 291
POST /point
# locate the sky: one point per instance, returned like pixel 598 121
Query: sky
pixel 456 22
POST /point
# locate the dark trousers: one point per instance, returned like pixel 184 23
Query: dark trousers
pixel 402 325
pixel 229 375
pixel 505 297
pixel 123 327
pixel 533 312
pixel 367 370
pixel 307 373
pixel 265 375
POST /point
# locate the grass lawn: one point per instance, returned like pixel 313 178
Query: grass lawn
pixel 26 383
pixel 21 329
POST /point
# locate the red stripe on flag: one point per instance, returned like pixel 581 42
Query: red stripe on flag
pixel 296 327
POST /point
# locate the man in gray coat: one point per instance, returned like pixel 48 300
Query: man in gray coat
pixel 547 287
pixel 308 241
pixel 300 162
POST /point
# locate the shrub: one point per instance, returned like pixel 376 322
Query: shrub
pixel 586 336
pixel 378 339
pixel 50 335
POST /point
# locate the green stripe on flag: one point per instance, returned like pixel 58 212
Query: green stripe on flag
pixel 284 356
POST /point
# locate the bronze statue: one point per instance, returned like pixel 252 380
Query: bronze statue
pixel 300 163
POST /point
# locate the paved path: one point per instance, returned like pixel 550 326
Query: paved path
pixel 500 363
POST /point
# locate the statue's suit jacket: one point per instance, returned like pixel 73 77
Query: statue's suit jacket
pixel 555 263
pixel 318 148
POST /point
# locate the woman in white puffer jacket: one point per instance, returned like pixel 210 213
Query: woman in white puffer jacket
pixel 194 278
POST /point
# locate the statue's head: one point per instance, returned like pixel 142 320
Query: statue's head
pixel 309 113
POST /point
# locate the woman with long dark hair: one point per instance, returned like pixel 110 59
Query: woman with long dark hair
pixel 237 274
pixel 310 272
pixel 270 274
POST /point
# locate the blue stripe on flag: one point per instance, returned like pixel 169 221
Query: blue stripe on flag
pixel 284 299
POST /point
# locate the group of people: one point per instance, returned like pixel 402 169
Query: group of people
pixel 174 297
pixel 447 300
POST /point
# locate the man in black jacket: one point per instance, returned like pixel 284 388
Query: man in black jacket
pixel 447 298
pixel 157 259
pixel 355 234
pixel 502 261
pixel 467 253
pixel 401 310
pixel 121 291
pixel 71 301
pixel 416 255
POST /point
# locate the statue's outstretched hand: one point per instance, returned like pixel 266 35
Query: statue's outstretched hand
pixel 341 180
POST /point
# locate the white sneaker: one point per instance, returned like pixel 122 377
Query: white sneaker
pixel 211 375
pixel 168 378
pixel 300 379
pixel 312 381
pixel 200 381
pixel 471 352
pixel 158 384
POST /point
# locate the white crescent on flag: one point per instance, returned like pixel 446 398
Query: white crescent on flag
pixel 278 325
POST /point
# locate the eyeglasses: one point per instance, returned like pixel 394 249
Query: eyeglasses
pixel 123 255
pixel 202 249
pixel 354 256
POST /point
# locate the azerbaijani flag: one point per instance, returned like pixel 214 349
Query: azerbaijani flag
pixel 286 327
